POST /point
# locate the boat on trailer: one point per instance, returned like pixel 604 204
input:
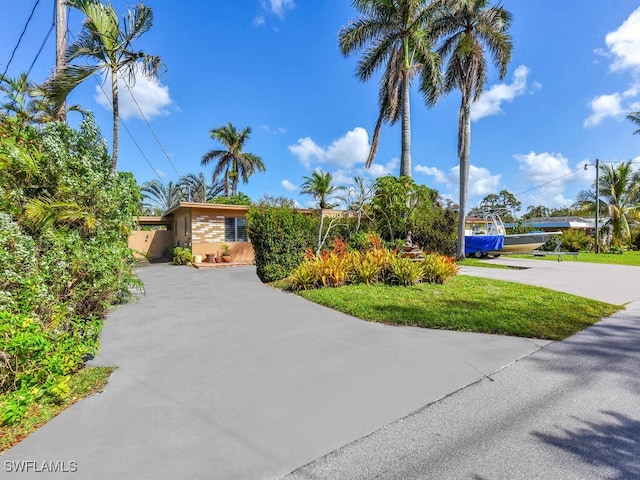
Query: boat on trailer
pixel 494 240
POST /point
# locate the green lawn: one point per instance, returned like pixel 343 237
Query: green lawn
pixel 82 384
pixel 627 258
pixel 476 262
pixel 469 304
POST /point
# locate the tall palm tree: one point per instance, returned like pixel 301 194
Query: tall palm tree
pixel 233 163
pixel 17 93
pixel 619 197
pixel 319 185
pixel 635 118
pixel 392 34
pixel 196 188
pixel 470 30
pixel 107 46
pixel 159 197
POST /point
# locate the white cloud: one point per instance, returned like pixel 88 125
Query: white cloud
pixel 603 107
pixel 481 180
pixel 151 96
pixel 378 170
pixel 551 173
pixel 278 7
pixel 624 43
pixel 258 21
pixel 624 48
pixel 490 101
pixel 287 185
pixel 345 152
pixel 273 131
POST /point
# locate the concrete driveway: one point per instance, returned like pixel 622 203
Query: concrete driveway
pixel 221 377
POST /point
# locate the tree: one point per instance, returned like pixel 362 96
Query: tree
pixel 469 29
pixel 393 34
pixel 233 163
pixel 319 185
pixel 620 193
pixel 159 197
pixel 195 188
pixel 505 203
pixel 537 211
pixel 108 47
pixel 635 118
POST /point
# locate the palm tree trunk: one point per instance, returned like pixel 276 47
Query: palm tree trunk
pixel 116 120
pixel 464 142
pixel 405 157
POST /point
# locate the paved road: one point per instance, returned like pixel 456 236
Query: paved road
pixel 617 284
pixel 221 377
pixel 569 412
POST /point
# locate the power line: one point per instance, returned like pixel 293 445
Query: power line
pixel 150 128
pixel 547 183
pixel 44 42
pixel 20 38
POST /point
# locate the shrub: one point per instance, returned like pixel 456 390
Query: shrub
pixel 280 237
pixel 366 267
pixel 575 240
pixel 404 271
pixel 181 256
pixel 439 268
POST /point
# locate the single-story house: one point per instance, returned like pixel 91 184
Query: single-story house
pixel 202 227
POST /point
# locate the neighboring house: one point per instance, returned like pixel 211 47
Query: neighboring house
pixel 552 224
pixel 202 227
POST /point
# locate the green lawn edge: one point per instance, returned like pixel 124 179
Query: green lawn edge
pixel 84 383
pixel 469 304
pixel 629 258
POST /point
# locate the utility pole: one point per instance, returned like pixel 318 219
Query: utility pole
pixel 597 203
pixel 61 48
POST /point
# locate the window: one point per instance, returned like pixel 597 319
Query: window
pixel 235 229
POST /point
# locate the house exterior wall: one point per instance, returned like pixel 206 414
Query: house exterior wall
pixel 208 233
pixel 150 243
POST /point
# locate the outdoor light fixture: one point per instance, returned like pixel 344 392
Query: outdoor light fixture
pixel 597 165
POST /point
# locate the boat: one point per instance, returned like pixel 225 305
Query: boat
pixel 493 239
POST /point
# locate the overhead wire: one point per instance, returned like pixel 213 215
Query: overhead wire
pixel 15 49
pixel 150 128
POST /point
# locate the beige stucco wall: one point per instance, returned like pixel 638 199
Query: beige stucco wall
pixel 150 243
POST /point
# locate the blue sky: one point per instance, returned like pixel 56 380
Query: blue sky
pixel 274 65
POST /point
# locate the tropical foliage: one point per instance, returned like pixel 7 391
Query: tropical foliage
pixel 108 47
pixel 619 199
pixel 64 223
pixel 393 36
pixel 233 164
pixel 635 118
pixel 319 185
pixel 470 30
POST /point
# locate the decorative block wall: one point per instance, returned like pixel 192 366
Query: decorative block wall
pixel 207 228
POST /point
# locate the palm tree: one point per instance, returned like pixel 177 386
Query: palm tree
pixel 319 185
pixel 233 163
pixel 392 33
pixel 620 194
pixel 18 99
pixel 635 118
pixel 160 197
pixel 196 188
pixel 108 47
pixel 469 29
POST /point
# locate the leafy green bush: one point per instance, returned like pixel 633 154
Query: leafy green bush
pixel 181 256
pixel 280 237
pixel 37 360
pixel 64 223
pixel 575 240
pixel 404 271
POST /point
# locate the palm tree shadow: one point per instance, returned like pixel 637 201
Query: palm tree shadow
pixel 612 443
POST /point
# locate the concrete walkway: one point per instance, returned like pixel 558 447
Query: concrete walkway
pixel 221 377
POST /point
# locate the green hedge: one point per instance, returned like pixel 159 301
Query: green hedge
pixel 280 237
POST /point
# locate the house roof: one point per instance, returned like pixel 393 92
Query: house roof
pixel 207 206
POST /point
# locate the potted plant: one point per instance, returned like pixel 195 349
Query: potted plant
pixel 226 255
